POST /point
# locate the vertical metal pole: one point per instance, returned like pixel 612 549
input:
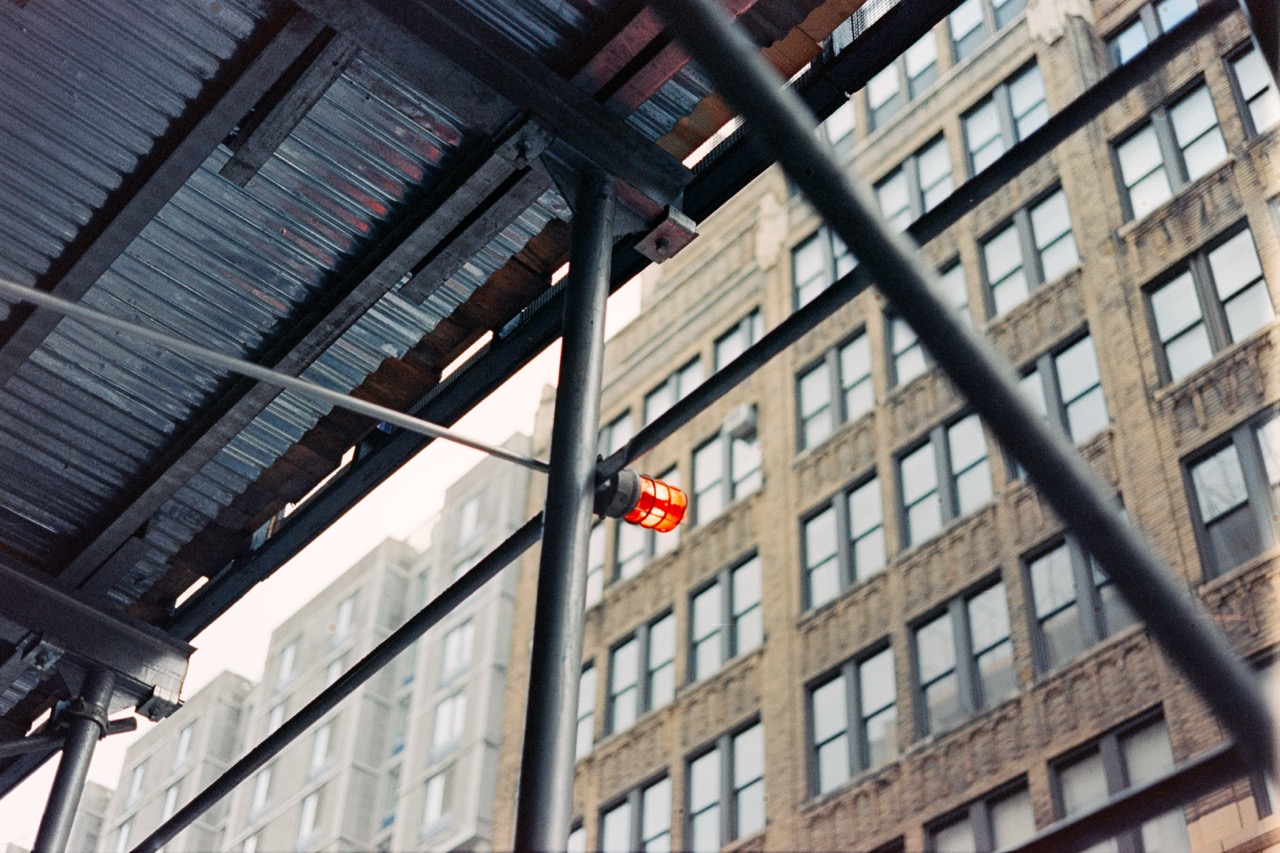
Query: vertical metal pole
pixel 545 796
pixel 88 723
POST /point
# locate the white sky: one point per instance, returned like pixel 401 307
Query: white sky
pixel 397 508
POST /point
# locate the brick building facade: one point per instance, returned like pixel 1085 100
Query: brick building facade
pixel 872 633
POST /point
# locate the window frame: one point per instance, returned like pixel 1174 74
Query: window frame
pixel 634 799
pixel 944 480
pixel 1032 268
pixel 1263 507
pixel 1056 409
pixel 855 732
pixel 847 571
pixel 727 798
pixel 1088 580
pixel 836 265
pixel 916 192
pixel 989 26
pixel 729 626
pixel 1116 772
pixel 1213 313
pixel 969 685
pixel 750 327
pixel 1172 155
pixel 979 814
pixel 731 489
pixel 642 636
pixel 1152 28
pixel 587 699
pixel 909 87
pixel 607 437
pixel 893 371
pixel 836 388
pixel 1244 106
pixel 1008 130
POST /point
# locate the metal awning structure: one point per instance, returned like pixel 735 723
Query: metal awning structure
pixel 351 192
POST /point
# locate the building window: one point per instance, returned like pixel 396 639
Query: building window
pixel 261 790
pixel 451 716
pixel 342 619
pixel 973 20
pixel 183 752
pixel 310 817
pixel 640 821
pixel 839 127
pixel 843 542
pixel 275 717
pixel 1114 763
pixel 595 564
pixel 816 264
pixel 642 673
pixel 1132 38
pixel 835 390
pixel 735 342
pixel 907 357
pixel 122 839
pixel 170 801
pixel 586 730
pixel 1007 116
pixel 288 664
pixel 673 389
pixel 469 520
pixel 577 842
pixel 725 619
pixel 1076 605
pixel 1236 496
pixel 726 791
pixel 1066 388
pixel 439 804
pixel 854 719
pixel 1034 247
pixel 964 659
pixel 459 644
pixel 998 822
pixel 944 478
pixel 908 76
pixel 320 749
pixel 334 670
pixel 1260 105
pixel 1220 298
pixel 615 434
pixel 250 844
pixel 725 469
pixel 1180 143
pixel 135 782
pixel 390 796
pixel 917 186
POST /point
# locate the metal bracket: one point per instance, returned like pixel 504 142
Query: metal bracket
pixel 668 237
pixel 75 636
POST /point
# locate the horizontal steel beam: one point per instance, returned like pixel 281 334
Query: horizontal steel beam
pixel 367 667
pixel 149 664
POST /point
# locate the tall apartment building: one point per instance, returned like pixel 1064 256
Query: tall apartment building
pixel 409 761
pixel 872 634
pixel 168 766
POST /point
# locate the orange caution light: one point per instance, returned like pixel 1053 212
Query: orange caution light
pixel 659 507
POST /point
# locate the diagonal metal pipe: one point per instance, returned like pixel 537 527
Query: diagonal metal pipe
pixel 1199 651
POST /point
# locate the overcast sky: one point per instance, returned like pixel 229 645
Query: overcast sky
pixel 397 508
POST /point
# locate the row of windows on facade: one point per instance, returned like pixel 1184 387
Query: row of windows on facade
pixel 725 800
pixel 724 622
pixel 1182 141
pixel 1218 297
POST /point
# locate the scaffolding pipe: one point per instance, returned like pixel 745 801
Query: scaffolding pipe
pixel 367 667
pixel 239 366
pixel 986 380
pixel 544 800
pixel 88 723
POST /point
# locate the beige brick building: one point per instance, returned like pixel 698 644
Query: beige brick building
pixel 872 634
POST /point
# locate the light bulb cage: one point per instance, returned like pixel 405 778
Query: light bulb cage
pixel 642 500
